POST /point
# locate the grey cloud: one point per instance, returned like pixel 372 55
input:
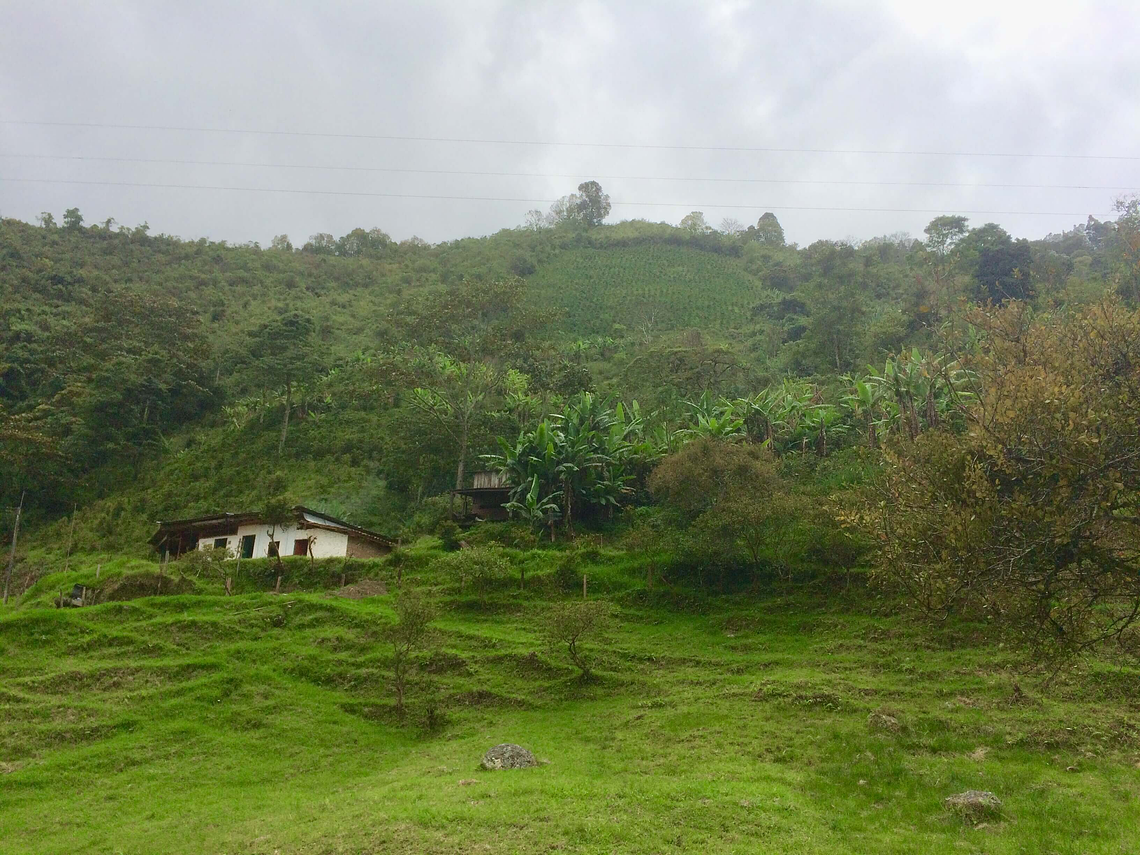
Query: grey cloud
pixel 805 75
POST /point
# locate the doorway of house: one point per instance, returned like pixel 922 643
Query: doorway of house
pixel 247 542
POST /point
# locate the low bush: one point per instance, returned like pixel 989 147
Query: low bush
pixel 515 535
pixel 479 567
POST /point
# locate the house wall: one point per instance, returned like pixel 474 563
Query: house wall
pixel 326 544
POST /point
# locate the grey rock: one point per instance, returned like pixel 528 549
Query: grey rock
pixel 974 805
pixel 508 756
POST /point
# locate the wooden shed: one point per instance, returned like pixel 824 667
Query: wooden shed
pixel 489 492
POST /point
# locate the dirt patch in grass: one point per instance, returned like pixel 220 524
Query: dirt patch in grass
pixel 136 585
pixel 362 589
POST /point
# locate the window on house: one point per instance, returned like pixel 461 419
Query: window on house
pixel 220 543
pixel 274 548
pixel 247 545
pixel 301 547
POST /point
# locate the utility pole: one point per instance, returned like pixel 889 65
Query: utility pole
pixel 12 554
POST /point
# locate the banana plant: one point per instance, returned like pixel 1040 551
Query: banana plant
pixel 820 421
pixel 925 388
pixel 865 399
pixel 537 509
pixel 582 455
pixel 714 418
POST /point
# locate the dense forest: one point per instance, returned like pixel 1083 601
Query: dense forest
pixel 743 402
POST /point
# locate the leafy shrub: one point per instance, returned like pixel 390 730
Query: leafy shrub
pixel 706 471
pixel 449 534
pixel 479 566
pixel 511 534
pixel 300 573
pixel 209 562
pixel 568 573
pixel 570 624
pixel 428 516
pixel 1028 520
pixel 410 635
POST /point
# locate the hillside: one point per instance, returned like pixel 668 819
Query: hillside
pixel 264 724
pixel 756 587
pixel 119 346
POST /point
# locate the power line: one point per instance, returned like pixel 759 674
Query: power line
pixel 564 143
pixel 690 206
pixel 402 170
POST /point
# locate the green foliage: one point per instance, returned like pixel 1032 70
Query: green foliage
pixel 478 567
pixel 739 519
pixel 459 393
pixel 535 509
pixel 409 636
pixel 570 625
pixel 578 461
pixel 449 535
pixel 646 287
pixel 428 517
pixel 514 535
pixel 708 471
pixel 146 377
pixel 211 563
pixel 1027 517
pixel 593 204
pixel 767 230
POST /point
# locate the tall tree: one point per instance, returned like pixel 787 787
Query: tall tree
pixel 731 226
pixel 1125 252
pixel 695 222
pixel 943 233
pixel 767 230
pixel 1001 264
pixel 72 219
pixel 282 353
pixel 1027 518
pixel 454 397
pixel 593 203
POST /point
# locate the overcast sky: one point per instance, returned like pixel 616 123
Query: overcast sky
pixel 622 81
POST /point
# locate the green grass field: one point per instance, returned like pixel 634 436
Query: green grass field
pixel 200 723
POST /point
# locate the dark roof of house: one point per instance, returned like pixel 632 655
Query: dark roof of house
pixel 307 516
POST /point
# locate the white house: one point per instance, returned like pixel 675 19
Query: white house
pixel 247 535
